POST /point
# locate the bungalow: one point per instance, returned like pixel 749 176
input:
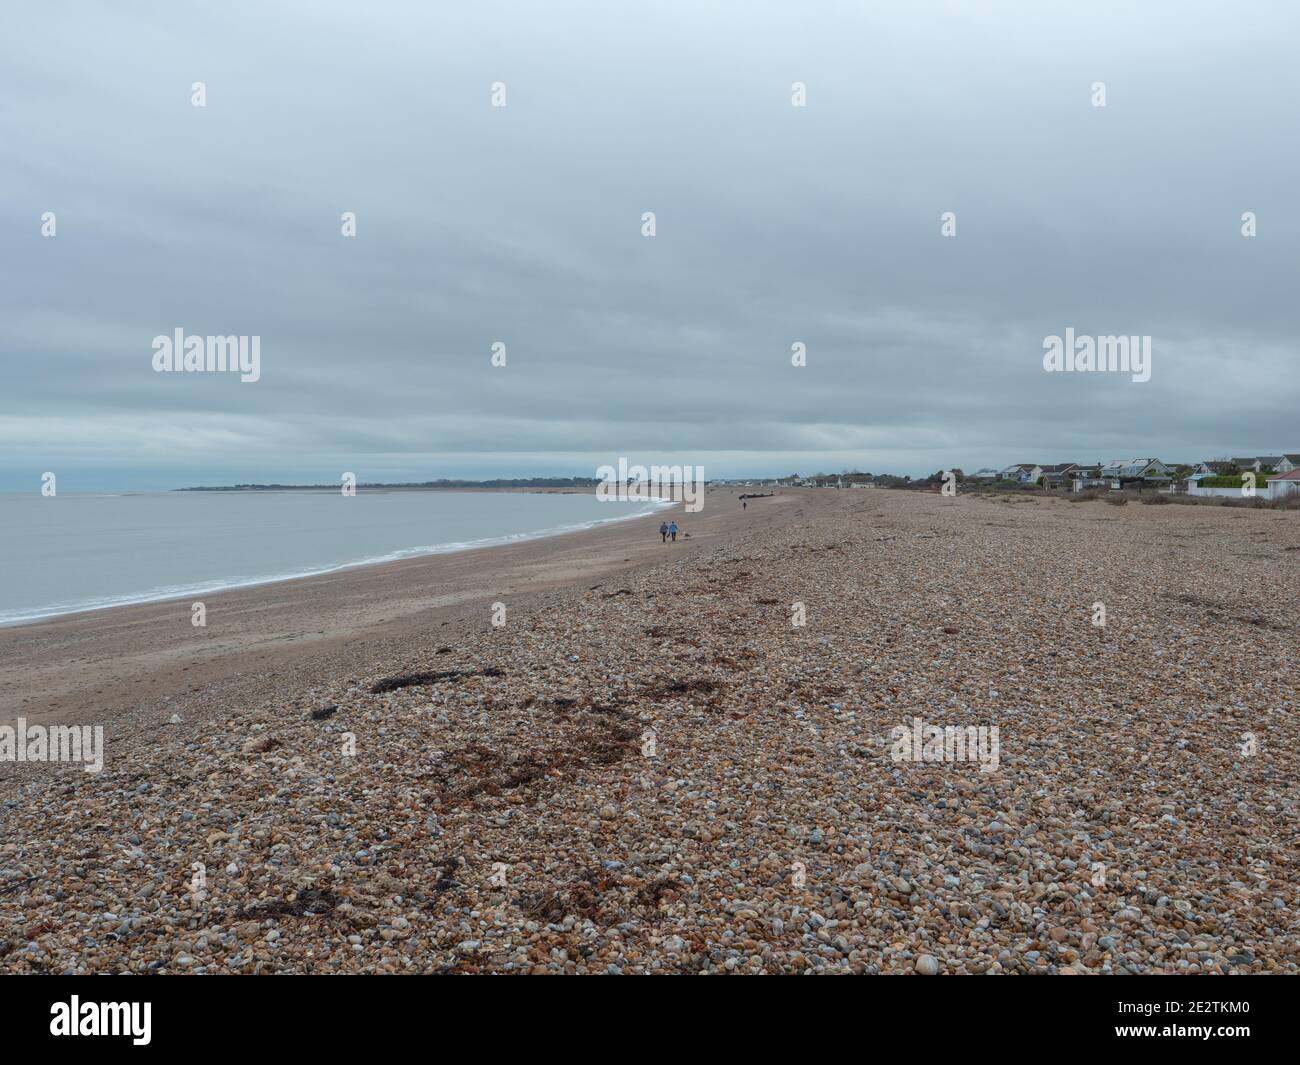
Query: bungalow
pixel 1059 475
pixel 1288 463
pixel 987 474
pixel 1024 472
pixel 1268 462
pixel 1284 484
pixel 1091 478
pixel 1214 469
pixel 1246 464
pixel 1134 469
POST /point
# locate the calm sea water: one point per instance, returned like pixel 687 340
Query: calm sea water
pixel 88 551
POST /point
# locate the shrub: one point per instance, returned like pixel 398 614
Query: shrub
pixel 1231 480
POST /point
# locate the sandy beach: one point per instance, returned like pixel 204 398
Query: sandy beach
pixel 682 758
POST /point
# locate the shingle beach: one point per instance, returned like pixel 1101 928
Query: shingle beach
pixel 657 769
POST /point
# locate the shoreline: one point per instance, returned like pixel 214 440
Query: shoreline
pixel 125 661
pixel 222 585
pixel 680 758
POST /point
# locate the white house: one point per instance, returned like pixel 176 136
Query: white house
pixel 1284 484
pixel 1287 463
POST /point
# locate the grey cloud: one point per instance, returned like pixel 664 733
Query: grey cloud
pixel 775 224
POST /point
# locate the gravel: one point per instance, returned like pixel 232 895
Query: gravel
pixel 677 779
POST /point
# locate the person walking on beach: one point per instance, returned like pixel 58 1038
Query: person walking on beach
pixel 663 530
pixel 672 529
pixel 744 504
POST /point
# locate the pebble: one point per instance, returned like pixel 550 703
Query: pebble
pixel 1122 830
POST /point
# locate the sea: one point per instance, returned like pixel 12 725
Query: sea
pixel 73 552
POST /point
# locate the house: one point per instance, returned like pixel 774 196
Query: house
pixel 1213 469
pixel 987 474
pixel 1059 475
pixel 1086 476
pixel 1267 462
pixel 1133 469
pixel 1284 484
pixel 1023 472
pixel 1287 464
pixel 1149 468
pixel 1246 464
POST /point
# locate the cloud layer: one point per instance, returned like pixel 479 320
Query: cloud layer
pixel 522 224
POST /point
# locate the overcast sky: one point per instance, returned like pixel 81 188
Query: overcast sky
pixel 522 224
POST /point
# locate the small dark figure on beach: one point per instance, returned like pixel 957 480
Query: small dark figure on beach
pixel 672 529
pixel 744 504
pixel 663 530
